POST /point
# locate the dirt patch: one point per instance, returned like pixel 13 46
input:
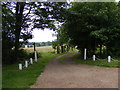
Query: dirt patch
pixel 72 75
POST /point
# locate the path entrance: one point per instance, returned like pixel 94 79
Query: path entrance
pixel 68 74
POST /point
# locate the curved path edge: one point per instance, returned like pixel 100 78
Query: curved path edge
pixel 72 75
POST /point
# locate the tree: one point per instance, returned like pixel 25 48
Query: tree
pixel 14 21
pixel 39 15
pixel 20 18
pixel 89 25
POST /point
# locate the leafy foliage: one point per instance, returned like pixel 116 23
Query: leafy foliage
pixel 92 24
pixel 20 18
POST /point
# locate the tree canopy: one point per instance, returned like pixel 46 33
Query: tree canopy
pixel 93 24
pixel 88 25
pixel 20 18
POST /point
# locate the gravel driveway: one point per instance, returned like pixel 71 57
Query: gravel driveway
pixel 72 75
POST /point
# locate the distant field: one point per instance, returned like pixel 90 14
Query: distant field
pixel 44 47
pixel 40 49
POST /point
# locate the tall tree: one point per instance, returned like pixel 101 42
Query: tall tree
pixel 91 24
pixel 20 18
pixel 31 15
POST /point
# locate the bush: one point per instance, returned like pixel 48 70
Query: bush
pixel 13 56
pixel 20 55
pixel 32 55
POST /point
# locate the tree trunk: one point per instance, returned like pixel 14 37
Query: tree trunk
pixel 67 48
pixel 100 50
pixel 58 49
pixel 18 25
pixel 62 49
pixel 34 47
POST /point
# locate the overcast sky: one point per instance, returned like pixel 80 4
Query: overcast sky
pixel 42 36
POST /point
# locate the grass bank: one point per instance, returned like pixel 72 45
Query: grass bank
pixel 14 78
pixel 102 63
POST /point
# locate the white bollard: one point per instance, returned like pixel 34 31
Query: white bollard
pixel 93 57
pixel 35 56
pixel 20 66
pixel 109 58
pixel 26 64
pixel 31 60
pixel 85 54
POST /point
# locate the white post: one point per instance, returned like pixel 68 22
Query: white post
pixel 35 56
pixel 85 54
pixel 93 57
pixel 20 66
pixel 26 64
pixel 109 58
pixel 31 61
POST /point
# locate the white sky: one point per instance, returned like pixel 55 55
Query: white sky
pixel 42 35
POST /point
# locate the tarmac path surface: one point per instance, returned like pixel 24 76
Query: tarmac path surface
pixel 72 75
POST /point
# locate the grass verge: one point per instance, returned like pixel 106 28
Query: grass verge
pixel 14 78
pixel 102 63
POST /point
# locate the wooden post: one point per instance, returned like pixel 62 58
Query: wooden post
pixel 20 66
pixel 26 64
pixel 109 58
pixel 34 46
pixel 93 57
pixel 31 61
pixel 85 54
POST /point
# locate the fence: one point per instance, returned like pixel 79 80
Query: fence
pixel 94 57
pixel 27 63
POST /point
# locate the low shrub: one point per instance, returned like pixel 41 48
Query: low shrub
pixel 32 55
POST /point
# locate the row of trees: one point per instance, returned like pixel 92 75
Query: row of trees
pixel 62 44
pixel 85 25
pixel 93 25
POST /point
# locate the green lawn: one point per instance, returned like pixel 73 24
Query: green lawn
pixel 102 63
pixel 14 78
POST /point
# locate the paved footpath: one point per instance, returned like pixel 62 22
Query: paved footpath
pixel 72 75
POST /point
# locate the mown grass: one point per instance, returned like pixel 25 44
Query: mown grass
pixel 101 63
pixel 14 78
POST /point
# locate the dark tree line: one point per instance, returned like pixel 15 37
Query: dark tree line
pixel 94 25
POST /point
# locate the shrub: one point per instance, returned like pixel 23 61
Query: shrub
pixel 32 55
pixel 13 56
